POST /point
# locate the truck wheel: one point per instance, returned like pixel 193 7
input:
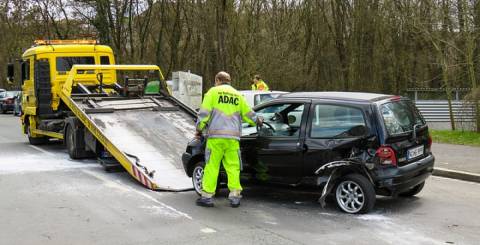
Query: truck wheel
pixel 414 191
pixel 73 150
pixel 37 140
pixel 355 194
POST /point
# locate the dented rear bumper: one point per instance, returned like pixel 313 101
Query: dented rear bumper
pixel 393 181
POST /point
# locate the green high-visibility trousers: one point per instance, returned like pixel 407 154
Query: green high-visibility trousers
pixel 222 150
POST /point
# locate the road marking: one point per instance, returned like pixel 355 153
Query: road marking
pixel 271 223
pixel 116 185
pixel 208 230
pixel 41 150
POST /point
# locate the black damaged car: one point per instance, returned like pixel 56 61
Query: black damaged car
pixel 353 146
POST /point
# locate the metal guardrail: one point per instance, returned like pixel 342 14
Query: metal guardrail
pixel 437 110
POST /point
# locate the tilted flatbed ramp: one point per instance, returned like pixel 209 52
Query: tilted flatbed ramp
pixel 146 135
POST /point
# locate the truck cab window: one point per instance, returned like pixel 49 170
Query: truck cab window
pixel 104 60
pixel 25 75
pixel 65 64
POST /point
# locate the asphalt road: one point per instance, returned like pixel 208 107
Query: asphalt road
pixel 46 198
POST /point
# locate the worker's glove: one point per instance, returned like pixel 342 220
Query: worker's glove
pixel 260 121
pixel 198 134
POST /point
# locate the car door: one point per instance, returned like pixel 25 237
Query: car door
pixel 275 153
pixel 327 137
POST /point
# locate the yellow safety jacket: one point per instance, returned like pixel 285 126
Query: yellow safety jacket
pixel 223 109
pixel 261 86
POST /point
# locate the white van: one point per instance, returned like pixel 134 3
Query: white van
pixel 257 97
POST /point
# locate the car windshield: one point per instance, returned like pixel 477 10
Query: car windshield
pixel 2 94
pixel 400 116
pixel 260 98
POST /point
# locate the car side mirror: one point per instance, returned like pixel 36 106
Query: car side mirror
pixel 10 72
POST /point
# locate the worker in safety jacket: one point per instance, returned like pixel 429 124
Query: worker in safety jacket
pixel 259 84
pixel 221 115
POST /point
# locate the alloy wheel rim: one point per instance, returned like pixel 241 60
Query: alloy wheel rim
pixel 197 179
pixel 350 196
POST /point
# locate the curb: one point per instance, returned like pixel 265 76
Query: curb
pixel 455 174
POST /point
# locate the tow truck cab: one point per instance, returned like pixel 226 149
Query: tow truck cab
pixel 44 70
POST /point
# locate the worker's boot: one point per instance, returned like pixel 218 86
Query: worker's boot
pixel 205 202
pixel 234 202
pixel 234 198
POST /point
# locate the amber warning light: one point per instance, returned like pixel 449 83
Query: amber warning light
pixel 60 42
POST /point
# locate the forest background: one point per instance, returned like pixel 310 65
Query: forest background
pixel 382 46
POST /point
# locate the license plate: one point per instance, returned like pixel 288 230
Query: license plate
pixel 415 152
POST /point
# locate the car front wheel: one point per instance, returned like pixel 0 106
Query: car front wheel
pixel 355 194
pixel 197 177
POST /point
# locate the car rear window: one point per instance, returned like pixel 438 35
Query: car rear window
pixel 66 63
pixel 334 121
pixel 400 116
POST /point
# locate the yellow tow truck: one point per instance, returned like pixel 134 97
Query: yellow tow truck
pixel 73 91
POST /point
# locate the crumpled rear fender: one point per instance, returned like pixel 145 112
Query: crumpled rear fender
pixel 335 170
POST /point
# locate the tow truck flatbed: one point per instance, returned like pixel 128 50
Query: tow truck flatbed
pixel 146 135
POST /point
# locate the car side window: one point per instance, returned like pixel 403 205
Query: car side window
pixel 282 120
pixel 336 121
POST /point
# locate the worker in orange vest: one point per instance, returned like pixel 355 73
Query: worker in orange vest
pixel 259 84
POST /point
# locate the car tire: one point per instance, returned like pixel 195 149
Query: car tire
pixel 414 191
pixel 197 177
pixel 36 140
pixel 354 194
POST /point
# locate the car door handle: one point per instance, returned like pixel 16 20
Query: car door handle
pixel 303 147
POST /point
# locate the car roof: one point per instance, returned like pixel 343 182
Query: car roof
pixel 261 92
pixel 351 96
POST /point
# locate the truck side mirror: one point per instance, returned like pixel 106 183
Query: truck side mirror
pixel 10 72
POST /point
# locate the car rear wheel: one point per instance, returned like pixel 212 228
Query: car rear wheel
pixel 354 194
pixel 414 191
pixel 197 177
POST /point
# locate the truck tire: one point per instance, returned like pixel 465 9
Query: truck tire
pixel 354 194
pixel 70 141
pixel 414 191
pixel 36 140
pixel 75 140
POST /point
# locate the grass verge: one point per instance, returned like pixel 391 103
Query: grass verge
pixel 455 137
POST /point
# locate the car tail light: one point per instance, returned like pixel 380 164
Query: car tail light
pixel 429 142
pixel 428 147
pixel 9 101
pixel 387 155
